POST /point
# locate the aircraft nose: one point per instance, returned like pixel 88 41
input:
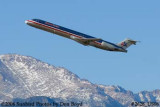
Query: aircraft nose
pixel 26 21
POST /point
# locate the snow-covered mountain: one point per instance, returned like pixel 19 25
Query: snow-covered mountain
pixel 25 78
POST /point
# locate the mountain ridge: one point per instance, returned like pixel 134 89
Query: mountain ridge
pixel 23 77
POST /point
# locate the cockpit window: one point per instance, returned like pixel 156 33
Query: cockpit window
pixel 36 20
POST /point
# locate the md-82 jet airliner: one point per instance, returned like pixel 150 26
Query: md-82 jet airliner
pixel 80 37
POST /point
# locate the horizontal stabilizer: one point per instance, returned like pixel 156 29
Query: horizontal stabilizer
pixel 133 42
pixel 126 43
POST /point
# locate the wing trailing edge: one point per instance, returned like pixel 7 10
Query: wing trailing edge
pixel 85 41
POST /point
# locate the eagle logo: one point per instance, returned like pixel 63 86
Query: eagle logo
pixel 123 44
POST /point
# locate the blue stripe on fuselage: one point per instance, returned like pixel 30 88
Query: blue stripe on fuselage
pixel 62 28
pixel 71 31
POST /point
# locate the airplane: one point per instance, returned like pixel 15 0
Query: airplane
pixel 80 37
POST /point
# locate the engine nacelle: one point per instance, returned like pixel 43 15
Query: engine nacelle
pixel 107 45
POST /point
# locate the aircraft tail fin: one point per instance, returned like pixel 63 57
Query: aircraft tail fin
pixel 126 43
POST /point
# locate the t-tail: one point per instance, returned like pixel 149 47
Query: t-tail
pixel 126 43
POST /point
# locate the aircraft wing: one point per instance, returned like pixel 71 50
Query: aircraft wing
pixel 89 39
pixel 86 41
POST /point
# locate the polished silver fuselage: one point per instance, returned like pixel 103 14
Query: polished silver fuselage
pixel 70 35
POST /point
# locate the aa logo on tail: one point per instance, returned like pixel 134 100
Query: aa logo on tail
pixel 124 44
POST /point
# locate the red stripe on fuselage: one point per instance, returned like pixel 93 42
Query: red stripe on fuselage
pixel 60 30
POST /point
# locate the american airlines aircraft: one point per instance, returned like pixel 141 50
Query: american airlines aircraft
pixel 80 37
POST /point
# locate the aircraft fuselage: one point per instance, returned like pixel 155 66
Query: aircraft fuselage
pixel 74 35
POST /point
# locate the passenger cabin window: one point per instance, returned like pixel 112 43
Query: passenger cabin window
pixel 34 19
pixel 50 24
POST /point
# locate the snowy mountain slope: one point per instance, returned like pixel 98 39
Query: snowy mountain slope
pixel 126 97
pixel 24 77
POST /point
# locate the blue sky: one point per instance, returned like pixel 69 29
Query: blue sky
pixel 113 21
